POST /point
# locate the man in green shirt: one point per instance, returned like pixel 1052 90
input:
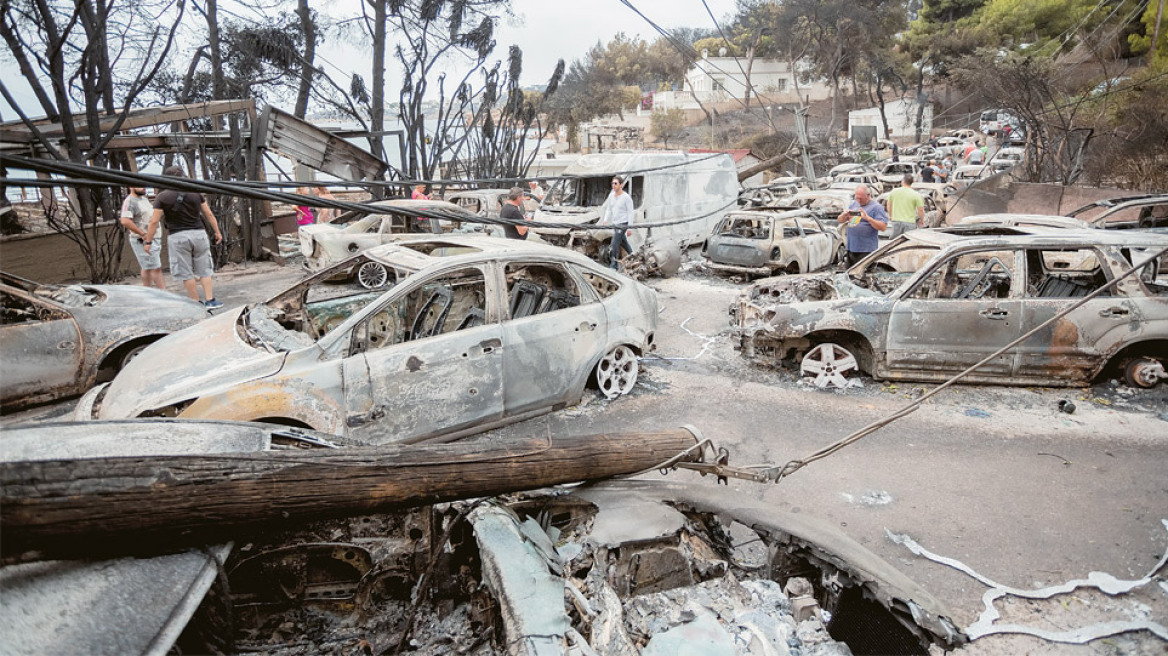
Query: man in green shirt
pixel 906 208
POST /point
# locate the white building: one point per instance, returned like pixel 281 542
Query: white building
pixel 902 121
pixel 716 80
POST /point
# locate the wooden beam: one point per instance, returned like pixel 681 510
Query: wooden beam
pixel 99 507
pixel 139 118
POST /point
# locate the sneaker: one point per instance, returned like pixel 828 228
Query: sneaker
pixel 212 304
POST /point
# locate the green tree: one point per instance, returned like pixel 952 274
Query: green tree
pixel 665 125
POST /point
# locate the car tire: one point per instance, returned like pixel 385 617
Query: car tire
pixel 616 373
pixel 1141 372
pixel 131 354
pixel 372 275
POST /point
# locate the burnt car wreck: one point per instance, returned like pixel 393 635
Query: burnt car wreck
pixel 409 551
pixel 467 333
pixel 59 340
pixel 765 243
pixel 963 299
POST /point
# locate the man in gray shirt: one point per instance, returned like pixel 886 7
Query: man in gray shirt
pixel 618 212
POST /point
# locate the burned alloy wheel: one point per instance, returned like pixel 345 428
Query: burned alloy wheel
pixel 1143 372
pixel 372 275
pixel 616 373
pixel 829 364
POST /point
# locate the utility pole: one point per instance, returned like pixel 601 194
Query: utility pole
pixel 1156 31
pixel 804 145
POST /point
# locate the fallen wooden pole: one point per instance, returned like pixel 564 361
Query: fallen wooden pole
pixel 99 507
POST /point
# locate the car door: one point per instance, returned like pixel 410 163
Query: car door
pixel 1073 347
pixel 43 349
pixel 963 309
pixel 429 360
pixel 553 330
pixel 821 245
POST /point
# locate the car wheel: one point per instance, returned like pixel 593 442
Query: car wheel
pixel 616 373
pixel 829 365
pixel 372 275
pixel 131 354
pixel 1143 372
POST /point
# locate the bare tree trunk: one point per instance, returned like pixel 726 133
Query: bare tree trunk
pixel 377 95
pixel 308 27
pixel 218 84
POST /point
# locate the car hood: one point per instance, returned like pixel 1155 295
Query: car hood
pixel 141 301
pixel 824 286
pixel 567 214
pixel 186 365
pixel 106 318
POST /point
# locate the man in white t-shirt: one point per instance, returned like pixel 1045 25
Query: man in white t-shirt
pixel 618 212
pixel 135 218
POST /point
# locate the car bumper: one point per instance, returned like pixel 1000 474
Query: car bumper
pixel 733 268
pixel 85 410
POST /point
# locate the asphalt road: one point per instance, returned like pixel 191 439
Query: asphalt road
pixel 995 477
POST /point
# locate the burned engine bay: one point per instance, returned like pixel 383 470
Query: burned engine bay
pixel 618 568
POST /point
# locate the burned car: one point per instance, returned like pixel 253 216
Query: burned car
pixel 59 340
pixel 324 244
pixel 765 243
pixel 1146 212
pixel 473 332
pixel 974 296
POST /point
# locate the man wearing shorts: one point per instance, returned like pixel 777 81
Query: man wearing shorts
pixel 135 218
pixel 187 242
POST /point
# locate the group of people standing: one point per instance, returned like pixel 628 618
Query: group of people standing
pixel 308 215
pixel 866 218
pixel 188 218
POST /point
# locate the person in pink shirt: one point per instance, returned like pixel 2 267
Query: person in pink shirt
pixel 420 193
pixel 304 215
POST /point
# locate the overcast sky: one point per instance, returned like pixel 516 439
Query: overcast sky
pixel 553 29
pixel 546 30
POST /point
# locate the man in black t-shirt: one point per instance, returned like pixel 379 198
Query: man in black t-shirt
pixel 513 209
pixel 187 242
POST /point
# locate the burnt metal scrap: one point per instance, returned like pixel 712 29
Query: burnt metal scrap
pixel 617 568
pixel 987 625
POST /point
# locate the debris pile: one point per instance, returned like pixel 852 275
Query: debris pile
pixel 592 572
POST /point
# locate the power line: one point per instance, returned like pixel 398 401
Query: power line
pixel 81 174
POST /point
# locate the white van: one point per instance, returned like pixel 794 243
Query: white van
pixel 665 186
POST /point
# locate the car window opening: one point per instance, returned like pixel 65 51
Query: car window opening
pixel 452 302
pixel 539 288
pixel 14 310
pixel 604 287
pixel 1063 273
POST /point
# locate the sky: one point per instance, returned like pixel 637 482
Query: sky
pixel 551 29
pixel 546 30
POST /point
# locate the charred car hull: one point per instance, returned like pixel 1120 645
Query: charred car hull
pixel 970 299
